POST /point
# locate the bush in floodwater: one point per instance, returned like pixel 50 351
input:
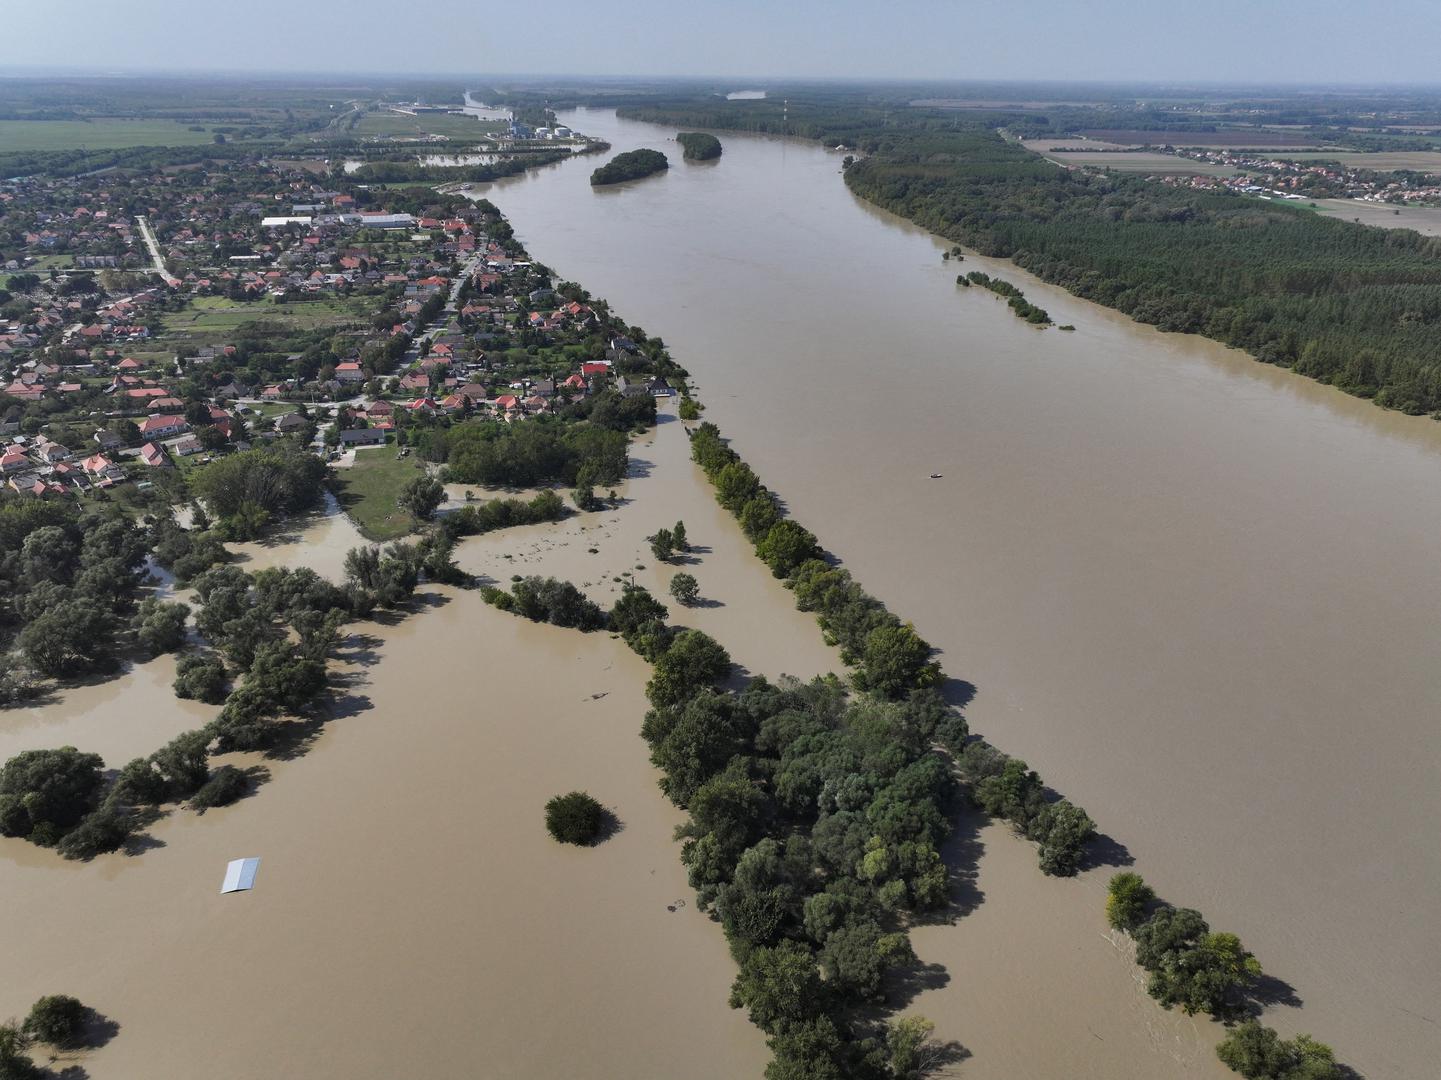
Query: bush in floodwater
pixel 226 784
pixel 575 818
pixel 1128 901
pixel 57 1019
pixel 15 1063
pixel 200 678
pixel 1258 1053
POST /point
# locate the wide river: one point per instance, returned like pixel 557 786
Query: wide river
pixel 1199 594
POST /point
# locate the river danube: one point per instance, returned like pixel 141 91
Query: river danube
pixel 1198 594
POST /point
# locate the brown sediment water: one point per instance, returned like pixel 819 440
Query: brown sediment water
pixel 318 540
pixel 1196 592
pixel 119 718
pixel 412 918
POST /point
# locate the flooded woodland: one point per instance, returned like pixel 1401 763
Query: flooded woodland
pixel 1194 592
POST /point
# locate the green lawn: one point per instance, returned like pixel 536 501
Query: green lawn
pixel 368 490
pixel 208 316
pixel 401 125
pixel 104 134
pixel 271 409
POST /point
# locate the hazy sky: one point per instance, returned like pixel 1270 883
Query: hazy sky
pixel 1158 40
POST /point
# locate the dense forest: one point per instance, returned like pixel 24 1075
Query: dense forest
pixel 631 165
pixel 699 146
pixel 1345 304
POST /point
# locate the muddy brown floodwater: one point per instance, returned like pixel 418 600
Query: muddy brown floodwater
pixel 412 918
pixel 1197 593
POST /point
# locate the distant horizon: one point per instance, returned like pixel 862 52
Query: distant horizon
pixel 743 82
pixel 1222 43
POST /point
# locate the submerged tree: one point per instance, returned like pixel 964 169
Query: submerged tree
pixel 685 588
pixel 575 818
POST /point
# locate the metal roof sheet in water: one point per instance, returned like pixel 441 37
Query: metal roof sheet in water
pixel 240 875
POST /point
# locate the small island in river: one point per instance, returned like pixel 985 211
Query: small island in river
pixel 632 165
pixel 699 146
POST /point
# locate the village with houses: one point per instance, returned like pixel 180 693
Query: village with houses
pixel 1269 176
pixel 154 321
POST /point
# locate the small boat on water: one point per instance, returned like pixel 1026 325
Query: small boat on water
pixel 935 476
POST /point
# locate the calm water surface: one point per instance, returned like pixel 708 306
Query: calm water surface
pixel 1198 594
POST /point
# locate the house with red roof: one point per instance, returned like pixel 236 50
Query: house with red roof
pixel 153 455
pixel 14 460
pixel 163 427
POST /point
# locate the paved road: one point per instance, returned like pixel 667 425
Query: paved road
pixel 149 236
pixel 475 260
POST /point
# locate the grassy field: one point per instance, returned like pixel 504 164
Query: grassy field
pixel 1141 161
pixel 402 125
pixel 209 316
pixel 1381 161
pixel 271 409
pixel 1424 219
pixel 368 489
pixel 105 134
pixel 1252 138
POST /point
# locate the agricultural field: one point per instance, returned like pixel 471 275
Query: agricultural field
pixel 1381 160
pixel 1247 138
pixel 102 134
pixel 1424 219
pixel 1139 161
pixel 368 489
pixel 402 125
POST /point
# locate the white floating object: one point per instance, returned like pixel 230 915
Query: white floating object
pixel 240 875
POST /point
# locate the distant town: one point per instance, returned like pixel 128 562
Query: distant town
pixel 164 319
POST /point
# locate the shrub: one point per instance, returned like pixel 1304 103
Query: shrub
pixel 226 784
pixel 160 627
pixel 57 1019
pixel 15 1064
pixel 557 602
pixel 575 818
pixel 685 588
pixel 786 547
pixel 1127 901
pixel 693 662
pixel 1258 1053
pixel 200 678
pixel 44 793
pixel 104 830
